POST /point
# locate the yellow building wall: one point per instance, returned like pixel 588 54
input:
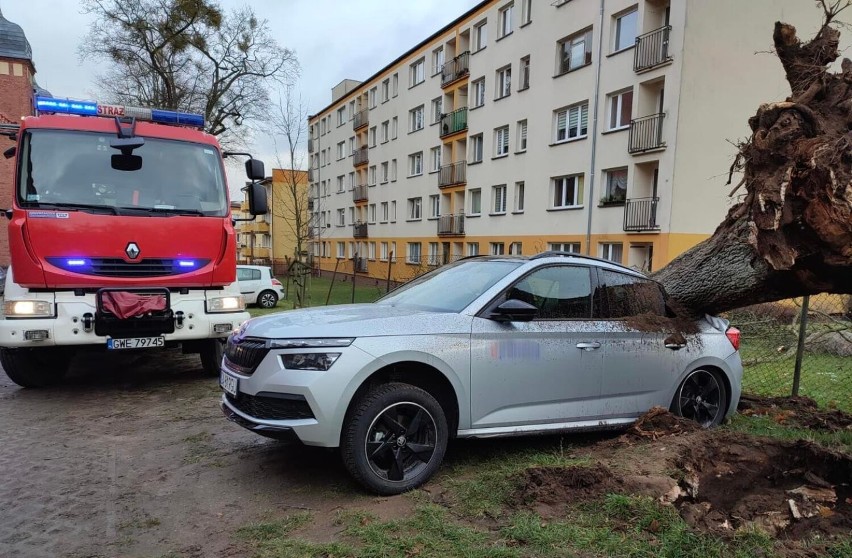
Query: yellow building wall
pixel 282 208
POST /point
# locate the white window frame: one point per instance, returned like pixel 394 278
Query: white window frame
pixel 371 214
pixel 383 251
pixel 503 83
pixel 415 209
pixel 437 108
pixel 607 251
pixel 519 202
pixel 393 170
pixel 385 90
pixel 562 184
pixel 371 175
pixel 498 199
pixel 394 127
pixel 415 164
pixel 522 136
pixel 413 253
pixel 524 73
pixel 505 19
pixel 476 148
pixel 501 141
pixel 480 35
pixel 384 212
pixel 395 84
pixel 385 136
pixel 576 114
pixel 615 110
pixel 341 150
pixel 341 217
pixel 417 72
pixel 609 181
pixel 472 248
pixel 475 194
pixel 415 119
pixel 478 92
pixel 526 12
pixel 437 60
pixel 341 250
pixel 618 43
pixel 341 116
pixel 393 212
pixel 571 247
pixel 434 256
pixel 516 248
pixel 341 187
pixel 497 248
pixel 435 158
pixel 374 93
pixel 434 206
pixel 385 172
pixel 582 39
pixel 371 136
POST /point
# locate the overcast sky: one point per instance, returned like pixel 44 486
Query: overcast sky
pixel 332 39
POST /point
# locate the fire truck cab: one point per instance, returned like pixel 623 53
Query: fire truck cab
pixel 121 238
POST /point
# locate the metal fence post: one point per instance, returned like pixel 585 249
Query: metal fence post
pixel 800 349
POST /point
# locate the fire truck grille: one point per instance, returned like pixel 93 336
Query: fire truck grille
pixel 116 267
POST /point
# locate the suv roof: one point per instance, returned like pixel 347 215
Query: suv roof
pixel 558 254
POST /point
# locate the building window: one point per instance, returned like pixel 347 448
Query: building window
pixel 415 119
pixel 498 194
pixel 434 254
pixel 371 250
pixel 472 248
pixel 341 146
pixel 526 11
pixel 372 136
pixel 480 36
pixel 435 158
pixel 341 116
pixel 620 110
pixel 566 191
pixel 415 164
pixel 393 170
pixel 516 249
pixel 437 60
pixel 341 250
pixel 625 30
pixel 476 148
pixel 373 94
pixel 383 251
pixel 497 248
pixel 417 72
pixel 575 51
pixel 395 83
pixel 371 176
pixel 384 172
pixel 571 123
pixel 384 212
pixel 506 20
pixel 519 197
pixel 571 247
pixel 522 135
pixel 341 217
pixel 340 187
pixel 434 206
pixel 413 253
pixel 437 105
pixel 525 74
pixel 611 251
pixel 393 212
pixel 385 130
pixel 351 180
pixel 372 214
pixel 616 186
pixel 475 202
pixel 351 215
pixel 394 127
pixel 501 141
pixel 504 82
pixel 415 209
pixel 385 90
pixel 479 92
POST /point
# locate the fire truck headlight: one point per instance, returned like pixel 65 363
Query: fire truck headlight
pixel 28 309
pixel 226 304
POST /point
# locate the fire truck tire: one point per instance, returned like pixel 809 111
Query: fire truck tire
pixel 212 351
pixel 35 368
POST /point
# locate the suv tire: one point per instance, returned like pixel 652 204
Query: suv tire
pixel 35 368
pixel 394 438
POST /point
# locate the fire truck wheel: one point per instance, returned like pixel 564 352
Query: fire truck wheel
pixel 35 368
pixel 212 351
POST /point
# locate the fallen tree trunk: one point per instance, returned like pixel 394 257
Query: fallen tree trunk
pixel 791 235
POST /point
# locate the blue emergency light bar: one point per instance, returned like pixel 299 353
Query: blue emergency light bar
pixel 91 108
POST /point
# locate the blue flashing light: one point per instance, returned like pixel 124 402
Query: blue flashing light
pixel 75 263
pixel 67 106
pixel 92 108
pixel 186 263
pixel 180 118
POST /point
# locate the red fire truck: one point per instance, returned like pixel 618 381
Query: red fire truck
pixel 121 238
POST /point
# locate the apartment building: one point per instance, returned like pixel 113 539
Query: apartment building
pixel 592 126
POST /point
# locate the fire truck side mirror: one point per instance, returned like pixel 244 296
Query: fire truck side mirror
pixel 257 198
pixel 255 170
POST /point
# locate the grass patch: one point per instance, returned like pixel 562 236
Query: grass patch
pixel 199 448
pixel 765 426
pixel 318 291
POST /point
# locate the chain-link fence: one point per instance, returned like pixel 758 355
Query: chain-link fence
pixel 800 346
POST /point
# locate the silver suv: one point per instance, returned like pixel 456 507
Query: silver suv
pixel 486 346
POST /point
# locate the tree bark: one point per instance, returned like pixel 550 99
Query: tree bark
pixel 791 235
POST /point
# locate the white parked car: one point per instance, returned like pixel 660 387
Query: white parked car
pixel 258 286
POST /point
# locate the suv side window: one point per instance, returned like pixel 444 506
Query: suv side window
pixel 559 292
pixel 243 274
pixel 625 295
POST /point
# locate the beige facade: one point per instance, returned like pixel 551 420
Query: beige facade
pixel 600 126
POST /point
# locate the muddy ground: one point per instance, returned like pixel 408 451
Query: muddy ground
pixel 132 457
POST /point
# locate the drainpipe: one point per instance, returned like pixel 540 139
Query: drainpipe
pixel 591 193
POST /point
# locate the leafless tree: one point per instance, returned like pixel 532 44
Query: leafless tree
pixel 188 55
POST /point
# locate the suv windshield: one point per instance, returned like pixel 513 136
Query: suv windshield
pixel 66 168
pixel 451 288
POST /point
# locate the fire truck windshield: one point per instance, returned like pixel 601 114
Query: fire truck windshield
pixel 75 168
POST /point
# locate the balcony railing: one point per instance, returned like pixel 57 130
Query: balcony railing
pixel 451 225
pixel 361 156
pixel 646 133
pixel 453 122
pixel 452 174
pixel 362 118
pixel 640 214
pixel 359 193
pixel 359 230
pixel 652 49
pixel 455 69
pixel 360 265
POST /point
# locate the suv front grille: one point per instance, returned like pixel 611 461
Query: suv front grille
pixel 245 355
pixel 273 406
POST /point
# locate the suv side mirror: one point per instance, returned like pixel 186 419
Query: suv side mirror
pixel 257 197
pixel 255 170
pixel 514 310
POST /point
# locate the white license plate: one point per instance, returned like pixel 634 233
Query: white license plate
pixel 136 343
pixel 229 383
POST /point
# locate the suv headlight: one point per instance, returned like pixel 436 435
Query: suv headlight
pixel 28 309
pixel 309 361
pixel 226 304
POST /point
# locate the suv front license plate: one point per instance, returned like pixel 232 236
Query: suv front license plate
pixel 229 383
pixel 136 343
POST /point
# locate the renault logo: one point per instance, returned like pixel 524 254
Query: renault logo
pixel 132 251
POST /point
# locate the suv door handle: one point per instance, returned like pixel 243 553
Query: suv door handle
pixel 586 346
pixel 675 346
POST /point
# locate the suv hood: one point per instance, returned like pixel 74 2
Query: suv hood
pixel 355 320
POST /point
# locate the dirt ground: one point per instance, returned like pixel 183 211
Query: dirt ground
pixel 132 457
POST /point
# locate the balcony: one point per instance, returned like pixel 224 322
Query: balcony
pixel 359 230
pixel 640 214
pixel 360 265
pixel 454 122
pixel 451 225
pixel 359 193
pixel 453 174
pixel 361 156
pixel 362 118
pixel 652 49
pixel 455 69
pixel 646 134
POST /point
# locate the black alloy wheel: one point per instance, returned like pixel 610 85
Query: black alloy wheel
pixel 401 442
pixel 702 397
